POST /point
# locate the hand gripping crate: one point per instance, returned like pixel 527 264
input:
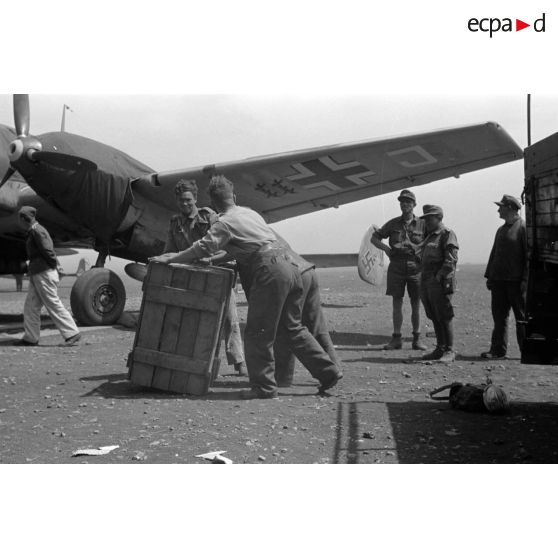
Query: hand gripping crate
pixel 176 347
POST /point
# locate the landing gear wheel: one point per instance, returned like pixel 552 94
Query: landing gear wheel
pixel 98 297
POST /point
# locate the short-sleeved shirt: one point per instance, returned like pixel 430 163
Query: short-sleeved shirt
pixel 403 237
pixel 508 258
pixel 40 250
pixel 438 252
pixel 239 231
pixel 184 231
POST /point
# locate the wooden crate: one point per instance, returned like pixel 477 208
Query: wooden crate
pixel 541 199
pixel 176 347
pixel 541 215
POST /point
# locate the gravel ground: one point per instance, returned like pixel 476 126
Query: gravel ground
pixel 56 400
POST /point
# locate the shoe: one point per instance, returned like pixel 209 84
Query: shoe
pixel 284 383
pixel 25 343
pixel 72 340
pixel 448 356
pixel 417 345
pixel 241 369
pixel 395 343
pixel 434 355
pixel 256 394
pixel 492 356
pixel 330 382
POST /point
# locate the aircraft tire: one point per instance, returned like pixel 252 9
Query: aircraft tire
pixel 98 297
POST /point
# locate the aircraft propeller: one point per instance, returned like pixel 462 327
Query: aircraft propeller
pixel 29 147
pixel 21 115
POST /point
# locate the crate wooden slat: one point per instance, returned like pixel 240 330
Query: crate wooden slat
pixel 176 346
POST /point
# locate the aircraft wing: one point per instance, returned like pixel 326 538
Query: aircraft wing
pixel 298 182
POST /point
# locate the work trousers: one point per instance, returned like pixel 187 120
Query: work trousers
pixel 275 304
pixel 43 291
pixel 314 320
pixel 231 332
pixel 506 295
pixel 438 308
pixel 437 305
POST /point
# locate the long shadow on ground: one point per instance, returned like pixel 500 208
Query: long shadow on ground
pixel 362 339
pixel 428 432
pixel 117 386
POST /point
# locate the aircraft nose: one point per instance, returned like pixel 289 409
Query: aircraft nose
pixel 23 146
pixel 15 150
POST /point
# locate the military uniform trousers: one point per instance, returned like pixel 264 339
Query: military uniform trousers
pixel 437 305
pixel 313 318
pixel 506 295
pixel 42 291
pixel 275 306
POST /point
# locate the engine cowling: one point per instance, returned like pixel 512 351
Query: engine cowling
pixel 12 266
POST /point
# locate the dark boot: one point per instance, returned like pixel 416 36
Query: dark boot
pixel 417 344
pixel 395 343
pixel 436 354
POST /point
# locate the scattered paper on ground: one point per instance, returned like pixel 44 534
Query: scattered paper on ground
pixel 102 450
pixel 216 457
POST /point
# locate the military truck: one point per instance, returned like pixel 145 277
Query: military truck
pixel 541 215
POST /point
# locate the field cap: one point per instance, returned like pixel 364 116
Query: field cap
pixel 28 212
pixel 509 201
pixel 407 194
pixel 432 210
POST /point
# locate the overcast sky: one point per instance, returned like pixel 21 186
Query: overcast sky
pixel 179 131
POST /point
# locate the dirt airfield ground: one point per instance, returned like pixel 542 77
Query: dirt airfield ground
pixel 55 400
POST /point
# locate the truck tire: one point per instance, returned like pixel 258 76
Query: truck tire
pixel 98 297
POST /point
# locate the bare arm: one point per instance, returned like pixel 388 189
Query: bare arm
pixel 376 240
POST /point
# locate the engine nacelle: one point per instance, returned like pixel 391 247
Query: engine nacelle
pixel 12 267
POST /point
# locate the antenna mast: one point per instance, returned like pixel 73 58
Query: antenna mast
pixel 528 119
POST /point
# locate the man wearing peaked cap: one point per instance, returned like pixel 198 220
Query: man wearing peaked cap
pixel 506 276
pixel 404 233
pixel 509 201
pixel 438 257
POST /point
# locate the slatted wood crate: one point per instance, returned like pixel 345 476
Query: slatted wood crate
pixel 541 215
pixel 541 200
pixel 176 347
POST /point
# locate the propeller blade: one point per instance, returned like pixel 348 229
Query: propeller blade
pixel 21 114
pixel 63 160
pixel 7 176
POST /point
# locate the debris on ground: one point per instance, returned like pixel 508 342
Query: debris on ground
pixel 216 457
pixel 102 450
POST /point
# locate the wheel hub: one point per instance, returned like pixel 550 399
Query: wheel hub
pixel 105 299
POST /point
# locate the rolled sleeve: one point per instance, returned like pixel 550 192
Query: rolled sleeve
pixel 450 254
pixel 384 231
pixel 216 239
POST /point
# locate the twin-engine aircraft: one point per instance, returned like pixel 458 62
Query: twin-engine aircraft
pixel 91 195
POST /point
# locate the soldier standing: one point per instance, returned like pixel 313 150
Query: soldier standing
pixel 438 256
pixel 506 277
pixel 191 224
pixel 404 233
